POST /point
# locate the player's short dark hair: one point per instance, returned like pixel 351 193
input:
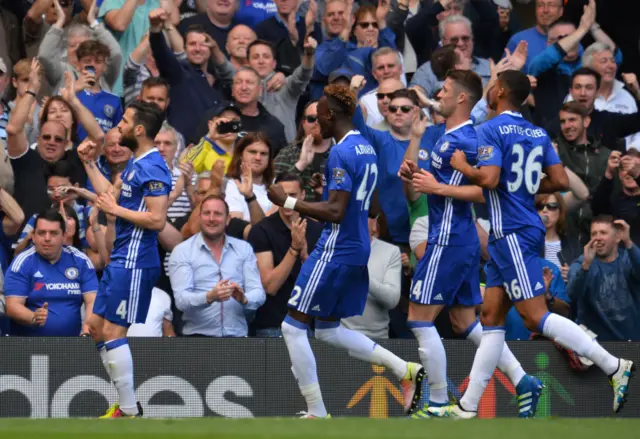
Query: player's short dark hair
pixel 407 94
pixel 576 108
pixel 471 83
pixel 61 168
pixel 156 81
pixel 260 42
pixel 444 59
pixel 52 215
pixel 149 116
pixel 341 99
pixel 603 219
pixel 93 48
pixel 289 177
pixel 517 85
pixel 559 22
pixel 587 71
pixel 216 197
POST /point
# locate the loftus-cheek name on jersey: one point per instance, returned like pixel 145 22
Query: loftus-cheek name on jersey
pixel 436 160
pixel 517 129
pixel 125 190
pixel 365 149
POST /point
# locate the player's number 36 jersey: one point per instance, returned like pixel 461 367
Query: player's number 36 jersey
pixel 351 167
pixel 522 150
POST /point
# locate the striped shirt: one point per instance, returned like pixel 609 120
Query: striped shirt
pixel 551 250
pixel 182 205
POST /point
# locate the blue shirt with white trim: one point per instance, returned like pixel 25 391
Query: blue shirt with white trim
pixel 523 151
pixel 450 220
pixel 61 285
pixel 145 176
pixel 105 106
pixel 351 167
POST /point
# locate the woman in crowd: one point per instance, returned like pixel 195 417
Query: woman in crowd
pixel 368 31
pixel 250 171
pixel 307 155
pixel 559 249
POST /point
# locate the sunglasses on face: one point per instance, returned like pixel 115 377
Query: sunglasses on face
pixel 311 119
pixel 404 108
pixel 48 137
pixel 549 206
pixel 381 96
pixel 367 24
pixel 463 39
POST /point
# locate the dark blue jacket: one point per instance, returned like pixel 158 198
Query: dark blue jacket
pixel 191 95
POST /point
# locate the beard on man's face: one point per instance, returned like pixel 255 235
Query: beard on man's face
pixel 128 140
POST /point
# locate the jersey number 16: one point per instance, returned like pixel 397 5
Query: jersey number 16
pixel 527 169
pixel 364 191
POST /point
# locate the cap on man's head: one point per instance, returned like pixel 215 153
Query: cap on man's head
pixel 226 106
pixel 340 73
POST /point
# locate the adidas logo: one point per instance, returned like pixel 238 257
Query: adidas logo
pixel 316 308
pixel 438 297
pixel 538 285
pixel 38 274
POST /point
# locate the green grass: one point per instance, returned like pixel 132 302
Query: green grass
pixel 216 428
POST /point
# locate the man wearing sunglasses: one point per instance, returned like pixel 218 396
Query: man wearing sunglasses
pixel 455 30
pixel 375 104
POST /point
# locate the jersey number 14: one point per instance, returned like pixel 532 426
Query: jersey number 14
pixel 365 191
pixel 526 169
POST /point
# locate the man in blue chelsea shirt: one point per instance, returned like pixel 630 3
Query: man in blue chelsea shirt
pixel 47 284
pixel 106 107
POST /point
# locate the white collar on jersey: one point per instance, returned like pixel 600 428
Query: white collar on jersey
pixel 512 113
pixel 347 135
pixel 145 154
pixel 457 127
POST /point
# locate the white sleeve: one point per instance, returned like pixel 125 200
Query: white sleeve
pixel 419 232
pixel 235 200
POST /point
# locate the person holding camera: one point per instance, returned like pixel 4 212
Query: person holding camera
pixel 620 196
pixel 604 283
pixel 106 107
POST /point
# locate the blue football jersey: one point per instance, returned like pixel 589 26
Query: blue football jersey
pixel 351 167
pixel 105 106
pixel 60 285
pixel 145 176
pixel 451 220
pixel 522 150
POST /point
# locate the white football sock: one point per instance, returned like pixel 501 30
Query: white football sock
pixel 570 336
pixel 360 346
pixel 508 363
pixel 434 359
pixel 303 365
pixel 484 363
pixel 104 356
pixel 121 364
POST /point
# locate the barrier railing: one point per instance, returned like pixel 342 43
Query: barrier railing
pixel 187 377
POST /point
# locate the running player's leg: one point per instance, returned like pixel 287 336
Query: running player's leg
pixel 96 321
pixel 294 331
pixel 345 295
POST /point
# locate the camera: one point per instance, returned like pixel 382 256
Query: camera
pixel 92 70
pixel 233 126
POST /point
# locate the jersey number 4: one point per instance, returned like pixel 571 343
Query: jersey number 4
pixel 527 169
pixel 365 191
pixel 121 311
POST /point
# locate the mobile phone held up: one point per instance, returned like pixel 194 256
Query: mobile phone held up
pixel 92 70
pixel 233 126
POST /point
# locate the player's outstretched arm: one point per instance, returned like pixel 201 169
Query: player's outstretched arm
pixel 556 180
pixel 424 182
pixel 331 210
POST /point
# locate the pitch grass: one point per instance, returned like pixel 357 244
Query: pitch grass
pixel 218 428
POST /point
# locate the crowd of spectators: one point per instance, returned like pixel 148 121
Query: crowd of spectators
pixel 239 83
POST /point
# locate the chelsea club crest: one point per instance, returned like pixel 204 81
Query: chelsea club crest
pixel 130 176
pixel 71 273
pixel 109 110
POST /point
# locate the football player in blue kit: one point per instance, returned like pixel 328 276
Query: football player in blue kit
pixel 140 213
pixel 334 281
pixel 447 274
pixel 515 162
